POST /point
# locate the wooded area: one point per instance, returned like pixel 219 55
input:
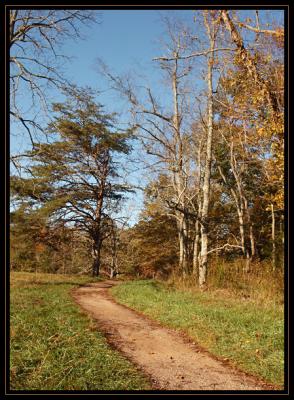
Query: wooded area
pixel 214 141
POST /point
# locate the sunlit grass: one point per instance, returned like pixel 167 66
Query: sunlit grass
pixel 249 335
pixel 54 346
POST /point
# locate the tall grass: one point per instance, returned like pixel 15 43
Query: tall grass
pixel 261 285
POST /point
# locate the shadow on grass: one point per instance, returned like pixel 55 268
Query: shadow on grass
pixel 65 283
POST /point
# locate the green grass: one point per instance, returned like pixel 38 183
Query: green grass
pixel 56 347
pixel 249 335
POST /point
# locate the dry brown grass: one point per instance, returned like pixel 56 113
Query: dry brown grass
pixel 261 284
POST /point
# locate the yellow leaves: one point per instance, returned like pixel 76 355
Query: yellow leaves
pixel 261 132
pixel 279 199
pixel 280 32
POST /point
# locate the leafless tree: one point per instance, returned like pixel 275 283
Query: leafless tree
pixel 35 63
pixel 164 134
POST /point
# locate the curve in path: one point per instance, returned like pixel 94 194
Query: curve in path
pixel 171 362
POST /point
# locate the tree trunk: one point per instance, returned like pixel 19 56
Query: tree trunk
pixel 247 262
pixel 186 249
pixel 247 258
pixel 96 262
pixel 252 240
pixel 183 246
pixel 178 175
pixel 207 173
pixel 196 248
pixel 181 249
pixel 197 224
pixel 241 228
pixel 251 235
pixel 203 257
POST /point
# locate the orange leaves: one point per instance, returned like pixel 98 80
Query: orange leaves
pixel 40 247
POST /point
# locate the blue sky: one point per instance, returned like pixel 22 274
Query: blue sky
pixel 126 40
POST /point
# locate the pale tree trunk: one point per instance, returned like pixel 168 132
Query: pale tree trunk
pixel 207 171
pixel 243 208
pixel 197 237
pixel 251 254
pixel 179 178
pixel 197 224
pixel 196 248
pixel 203 257
pixel 241 204
pixel 251 235
pixel 240 211
pixel 183 248
pixel 185 269
pixel 241 228
pixel 252 239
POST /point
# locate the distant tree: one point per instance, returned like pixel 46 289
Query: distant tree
pixel 38 245
pixel 74 179
pixel 149 249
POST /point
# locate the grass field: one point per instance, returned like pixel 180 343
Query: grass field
pixel 53 346
pixel 248 334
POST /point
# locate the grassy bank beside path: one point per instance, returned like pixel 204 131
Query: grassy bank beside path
pixel 248 335
pixel 54 346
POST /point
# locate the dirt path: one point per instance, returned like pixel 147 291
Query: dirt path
pixel 172 362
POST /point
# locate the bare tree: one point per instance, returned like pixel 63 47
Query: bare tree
pixel 35 64
pixel 212 23
pixel 163 135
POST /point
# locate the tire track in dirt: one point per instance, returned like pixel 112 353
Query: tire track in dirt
pixel 168 359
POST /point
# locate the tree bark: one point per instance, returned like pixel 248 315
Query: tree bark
pixel 196 248
pixel 183 245
pixel 251 234
pixel 207 173
pixel 197 223
pixel 98 215
pixel 97 256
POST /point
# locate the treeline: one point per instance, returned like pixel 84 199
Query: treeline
pixel 215 145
